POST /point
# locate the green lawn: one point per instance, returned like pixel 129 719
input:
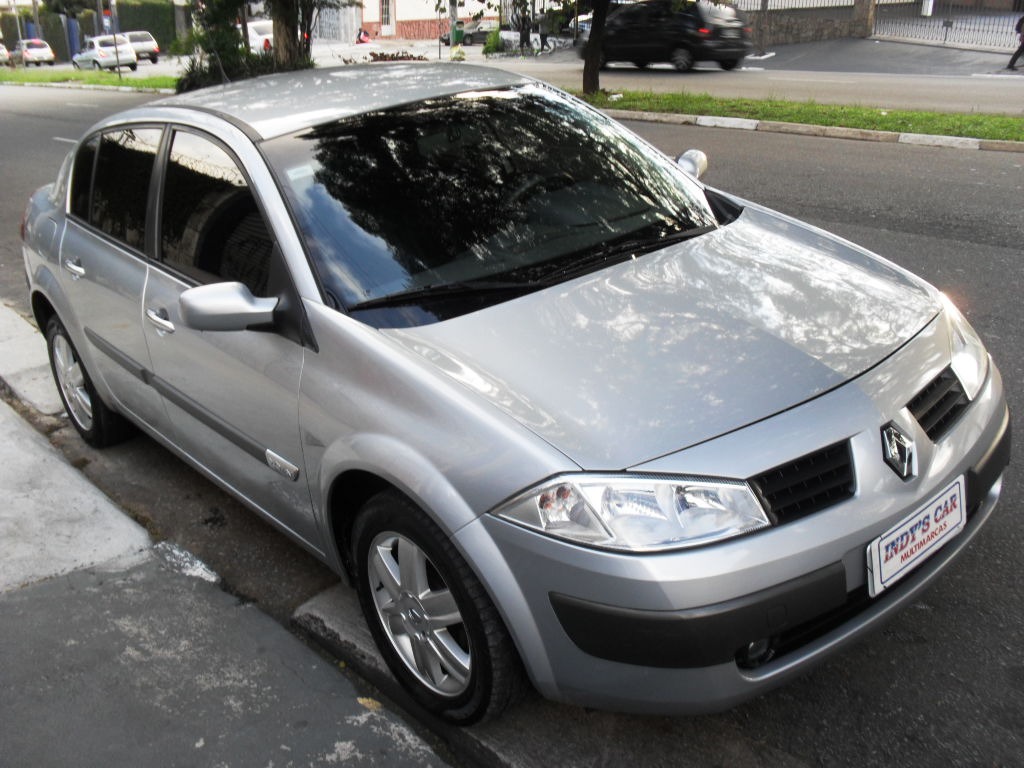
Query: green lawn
pixel 89 77
pixel 977 126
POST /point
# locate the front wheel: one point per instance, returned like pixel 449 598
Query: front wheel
pixel 98 425
pixel 431 619
pixel 682 60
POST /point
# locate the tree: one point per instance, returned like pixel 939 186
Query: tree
pixel 70 8
pixel 293 27
pixel 592 60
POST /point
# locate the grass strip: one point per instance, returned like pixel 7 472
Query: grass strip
pixel 973 125
pixel 86 77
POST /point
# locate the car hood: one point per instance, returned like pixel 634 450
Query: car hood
pixel 653 355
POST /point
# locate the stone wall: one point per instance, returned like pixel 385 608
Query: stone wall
pixel 783 27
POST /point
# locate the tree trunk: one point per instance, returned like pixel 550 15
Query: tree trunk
pixel 287 52
pixel 593 58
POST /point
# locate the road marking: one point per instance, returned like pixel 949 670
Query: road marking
pixel 66 141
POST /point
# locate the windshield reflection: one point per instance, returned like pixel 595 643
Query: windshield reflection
pixel 518 185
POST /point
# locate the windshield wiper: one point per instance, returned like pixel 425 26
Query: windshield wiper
pixel 619 250
pixel 443 290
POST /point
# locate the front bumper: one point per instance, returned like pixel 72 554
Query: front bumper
pixel 667 633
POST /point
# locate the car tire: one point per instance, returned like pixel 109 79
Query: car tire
pixel 154 59
pixel 50 63
pixel 96 65
pixel 98 425
pixel 641 64
pixel 74 65
pixel 133 67
pixel 682 59
pixel 465 671
pixel 729 64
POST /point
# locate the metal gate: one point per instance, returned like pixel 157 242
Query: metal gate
pixel 949 23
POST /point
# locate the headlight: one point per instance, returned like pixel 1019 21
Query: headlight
pixel 638 514
pixel 970 360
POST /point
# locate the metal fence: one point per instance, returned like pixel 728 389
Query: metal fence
pixel 947 23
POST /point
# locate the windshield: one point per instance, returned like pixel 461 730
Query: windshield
pixel 445 206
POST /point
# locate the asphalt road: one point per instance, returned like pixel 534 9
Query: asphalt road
pixel 943 680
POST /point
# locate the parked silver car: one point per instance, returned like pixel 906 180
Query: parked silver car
pixel 106 52
pixel 552 404
pixel 144 45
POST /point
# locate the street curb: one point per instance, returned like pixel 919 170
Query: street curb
pixel 826 131
pixel 89 87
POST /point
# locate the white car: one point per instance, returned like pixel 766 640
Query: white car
pixel 5 57
pixel 102 53
pixel 33 51
pixel 261 35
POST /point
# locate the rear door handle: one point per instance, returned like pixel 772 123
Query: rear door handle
pixel 158 317
pixel 74 266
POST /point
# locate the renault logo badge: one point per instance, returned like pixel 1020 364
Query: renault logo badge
pixel 898 450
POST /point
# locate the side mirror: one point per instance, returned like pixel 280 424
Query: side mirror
pixel 693 162
pixel 224 307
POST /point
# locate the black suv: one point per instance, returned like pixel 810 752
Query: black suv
pixel 680 33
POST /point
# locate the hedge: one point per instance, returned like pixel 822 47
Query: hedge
pixel 155 16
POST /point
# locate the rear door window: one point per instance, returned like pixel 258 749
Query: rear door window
pixel 110 183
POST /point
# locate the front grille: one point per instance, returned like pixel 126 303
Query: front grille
pixel 939 405
pixel 809 484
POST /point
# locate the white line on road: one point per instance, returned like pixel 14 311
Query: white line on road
pixel 66 141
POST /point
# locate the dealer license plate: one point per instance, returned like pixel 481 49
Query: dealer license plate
pixel 914 539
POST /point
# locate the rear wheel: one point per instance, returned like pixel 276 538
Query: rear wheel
pixel 431 619
pixel 133 67
pixel 154 59
pixel 96 65
pixel 682 60
pixel 98 425
pixel 729 64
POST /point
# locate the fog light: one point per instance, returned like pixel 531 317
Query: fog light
pixel 755 654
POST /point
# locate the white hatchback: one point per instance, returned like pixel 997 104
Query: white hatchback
pixel 104 53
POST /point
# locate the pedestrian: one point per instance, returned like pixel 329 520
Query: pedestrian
pixel 544 27
pixel 524 34
pixel 1020 48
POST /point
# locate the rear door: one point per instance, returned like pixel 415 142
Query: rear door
pixel 104 266
pixel 232 396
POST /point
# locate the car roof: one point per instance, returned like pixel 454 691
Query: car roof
pixel 278 104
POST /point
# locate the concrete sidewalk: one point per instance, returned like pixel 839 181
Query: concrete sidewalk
pixel 117 652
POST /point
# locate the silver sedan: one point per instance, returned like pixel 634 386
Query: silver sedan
pixel 560 412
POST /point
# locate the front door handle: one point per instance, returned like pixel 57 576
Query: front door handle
pixel 74 266
pixel 158 317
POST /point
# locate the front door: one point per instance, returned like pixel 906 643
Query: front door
pixel 232 396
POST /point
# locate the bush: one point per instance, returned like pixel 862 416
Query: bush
pixel 209 69
pixel 493 44
pixel 157 18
